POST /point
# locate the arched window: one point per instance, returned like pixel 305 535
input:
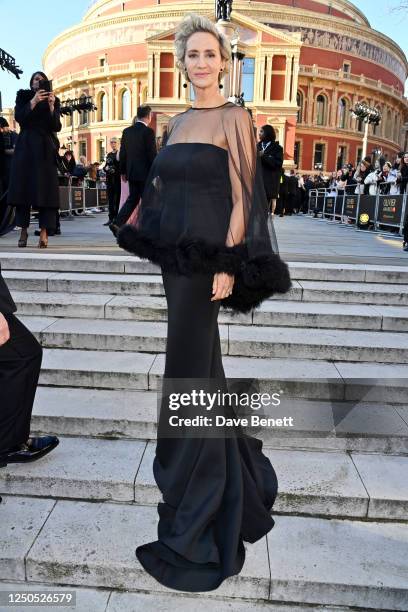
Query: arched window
pixel 343 114
pixel 124 105
pixel 83 114
pixel 388 126
pixel 102 105
pixel 396 128
pixel 299 102
pixel 321 109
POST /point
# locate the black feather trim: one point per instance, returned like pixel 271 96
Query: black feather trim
pixel 255 279
pixel 24 95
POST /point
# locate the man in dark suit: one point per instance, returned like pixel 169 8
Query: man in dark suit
pixel 137 152
pixel 20 363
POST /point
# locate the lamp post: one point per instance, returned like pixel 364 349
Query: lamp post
pixel 7 62
pixel 368 114
pixel 233 86
pixel 84 103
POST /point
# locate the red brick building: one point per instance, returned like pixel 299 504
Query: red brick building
pixel 307 62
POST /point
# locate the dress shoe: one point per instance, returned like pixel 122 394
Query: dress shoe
pixel 114 229
pixel 33 449
pixel 107 223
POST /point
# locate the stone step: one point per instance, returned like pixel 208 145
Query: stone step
pixel 307 560
pixel 151 284
pixel 119 264
pixel 271 312
pixel 304 343
pixel 310 482
pixel 354 293
pixel 325 425
pixel 108 600
pixel 297 378
pixel 250 341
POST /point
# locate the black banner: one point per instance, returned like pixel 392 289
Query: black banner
pixel 91 198
pixel 330 205
pixel 312 202
pixel 64 198
pixel 390 209
pixel 367 206
pixel 77 194
pixel 103 197
pixel 339 205
pixel 350 206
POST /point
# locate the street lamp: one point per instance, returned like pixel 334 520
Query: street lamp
pixel 84 103
pixel 368 114
pixel 7 62
pixel 223 16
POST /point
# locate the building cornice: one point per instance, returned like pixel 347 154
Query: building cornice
pixel 254 10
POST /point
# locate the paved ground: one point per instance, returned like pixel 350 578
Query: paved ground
pixel 300 238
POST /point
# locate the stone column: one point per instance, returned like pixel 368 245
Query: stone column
pixel 176 81
pixel 150 76
pixel 269 61
pixel 310 103
pixel 288 76
pixel 157 75
pixel 295 79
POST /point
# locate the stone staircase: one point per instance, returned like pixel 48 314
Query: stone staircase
pixel 336 347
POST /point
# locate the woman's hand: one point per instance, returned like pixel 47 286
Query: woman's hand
pixel 51 101
pixel 222 285
pixel 40 95
pixel 4 330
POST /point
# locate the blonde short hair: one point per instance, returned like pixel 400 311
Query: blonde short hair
pixel 192 23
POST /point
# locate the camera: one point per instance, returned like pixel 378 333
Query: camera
pixel 45 84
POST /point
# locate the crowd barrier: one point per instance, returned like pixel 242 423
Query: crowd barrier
pixel 81 197
pixel 384 212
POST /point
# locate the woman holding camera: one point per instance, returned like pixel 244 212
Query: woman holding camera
pixel 34 178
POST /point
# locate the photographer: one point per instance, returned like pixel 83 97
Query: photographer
pixel 34 177
pixel 364 169
pixel 112 171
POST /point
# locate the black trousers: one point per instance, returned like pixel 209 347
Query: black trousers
pixel 135 193
pixel 47 217
pixel 113 199
pixel 20 363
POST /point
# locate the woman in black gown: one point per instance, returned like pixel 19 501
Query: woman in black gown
pixel 203 219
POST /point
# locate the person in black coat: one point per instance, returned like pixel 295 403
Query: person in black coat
pixel 20 363
pixel 137 152
pixel 34 177
pixel 293 193
pixel 112 171
pixel 271 154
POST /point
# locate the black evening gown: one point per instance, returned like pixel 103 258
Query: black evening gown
pixel 217 491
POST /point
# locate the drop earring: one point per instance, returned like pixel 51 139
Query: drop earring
pixel 220 85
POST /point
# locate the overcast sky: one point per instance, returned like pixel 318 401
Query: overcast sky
pixel 27 26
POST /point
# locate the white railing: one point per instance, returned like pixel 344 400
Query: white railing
pixel 354 78
pixel 88 74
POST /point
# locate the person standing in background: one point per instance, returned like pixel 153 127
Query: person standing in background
pixel 271 154
pixel 112 171
pixel 137 153
pixel 9 138
pixel 34 176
